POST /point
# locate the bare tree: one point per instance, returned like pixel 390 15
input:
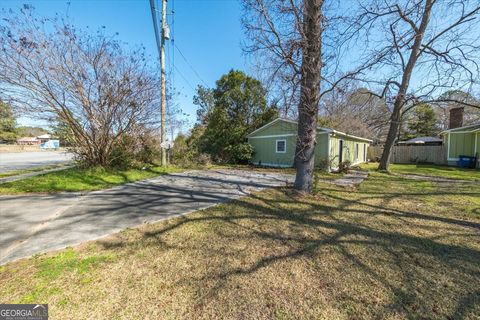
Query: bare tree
pixel 286 37
pixel 278 39
pixel 437 40
pixel 274 30
pixel 310 94
pixel 49 70
pixel 355 111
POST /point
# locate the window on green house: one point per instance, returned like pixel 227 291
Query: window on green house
pixel 281 146
pixel 356 151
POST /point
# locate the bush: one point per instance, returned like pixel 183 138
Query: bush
pixel 344 166
pixel 325 164
pixel 185 153
pixel 239 153
pixel 132 151
pixel 123 154
pixel 8 137
pixel 204 159
pixel 149 149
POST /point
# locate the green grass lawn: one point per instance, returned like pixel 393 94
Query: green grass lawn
pixel 77 179
pixel 430 170
pixel 396 248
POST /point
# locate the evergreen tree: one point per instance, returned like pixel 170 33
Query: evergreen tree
pixel 239 107
pixel 423 122
pixel 8 123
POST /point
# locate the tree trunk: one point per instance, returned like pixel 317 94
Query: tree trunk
pixel 392 134
pixel 310 95
pixel 400 98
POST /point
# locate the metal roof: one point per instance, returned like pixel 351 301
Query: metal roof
pixel 422 140
pixel 27 139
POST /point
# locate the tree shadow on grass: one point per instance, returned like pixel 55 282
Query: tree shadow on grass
pixel 363 229
pixel 413 267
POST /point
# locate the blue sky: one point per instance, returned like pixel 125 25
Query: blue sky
pixel 208 32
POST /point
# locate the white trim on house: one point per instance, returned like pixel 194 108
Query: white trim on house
pixel 351 136
pixel 449 141
pixel 448 146
pixel 284 145
pixel 475 137
pixel 329 145
pixel 281 135
pixel 263 127
pixel 473 131
pixel 465 127
pixel 274 136
pixel 271 123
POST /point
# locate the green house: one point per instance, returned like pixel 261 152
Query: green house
pixel 462 141
pixel 274 145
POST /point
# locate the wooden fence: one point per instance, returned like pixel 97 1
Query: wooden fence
pixel 412 154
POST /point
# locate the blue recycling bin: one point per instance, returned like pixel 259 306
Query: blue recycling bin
pixel 466 162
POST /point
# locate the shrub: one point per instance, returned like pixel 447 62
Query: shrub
pixel 324 164
pixel 344 166
pixel 204 159
pixel 149 149
pixel 239 153
pixel 133 151
pixel 122 154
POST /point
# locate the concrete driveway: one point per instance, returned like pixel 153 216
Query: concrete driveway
pixel 39 223
pixel 27 160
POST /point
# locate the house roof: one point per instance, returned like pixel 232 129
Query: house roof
pixel 464 129
pixel 27 139
pixel 421 140
pixel 44 136
pixel 318 128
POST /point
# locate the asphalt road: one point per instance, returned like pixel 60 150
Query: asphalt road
pixel 39 223
pixel 28 160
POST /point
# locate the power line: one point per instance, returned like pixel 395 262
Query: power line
pixel 184 78
pixel 155 24
pixel 191 67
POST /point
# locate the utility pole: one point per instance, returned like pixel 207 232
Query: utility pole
pixel 164 35
pixel 163 85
